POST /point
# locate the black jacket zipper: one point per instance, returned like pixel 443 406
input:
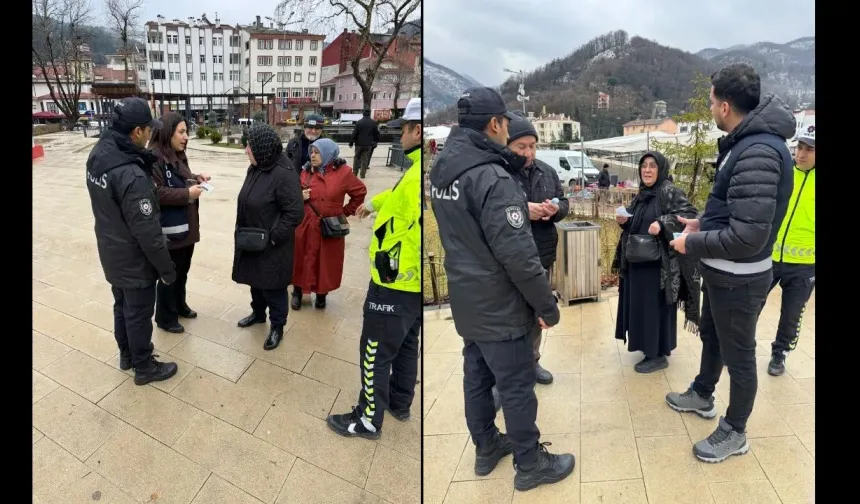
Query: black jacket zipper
pixel 790 217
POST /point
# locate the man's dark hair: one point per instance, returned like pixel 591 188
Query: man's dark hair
pixel 479 122
pixel 739 85
pixel 606 165
pixel 365 113
pixel 410 125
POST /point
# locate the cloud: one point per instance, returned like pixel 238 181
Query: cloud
pixel 481 37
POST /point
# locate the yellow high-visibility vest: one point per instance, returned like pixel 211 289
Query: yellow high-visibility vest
pixel 795 242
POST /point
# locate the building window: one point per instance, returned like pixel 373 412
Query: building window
pixel 219 76
pixel 234 75
pixel 202 58
pixel 312 61
pixel 172 38
pixel 218 58
pixel 174 76
pixel 235 41
pixel 141 68
pixel 200 40
pixel 285 60
pixel 354 96
pixel 52 107
pixel 154 37
pixel 217 41
pixel 282 92
pixel 247 61
pixel 188 58
pixel 189 77
pixel 141 83
pixel 264 60
pixel 299 45
pixel 310 92
pixel 202 76
pixel 156 74
pixel 235 58
pixel 188 40
pixel 297 92
pixel 173 58
pixel 298 61
pixel 285 45
pixel 297 77
pixel 156 56
pixel 264 76
pixel 375 95
pixel 340 97
pixel 312 77
pixel 314 45
pixel 265 44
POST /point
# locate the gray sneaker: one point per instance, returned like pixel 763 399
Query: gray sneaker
pixel 690 401
pixel 722 444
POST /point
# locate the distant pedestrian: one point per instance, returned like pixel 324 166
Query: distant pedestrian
pixel 132 249
pixel 604 180
pixel 365 137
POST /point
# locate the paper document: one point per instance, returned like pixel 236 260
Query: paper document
pixel 622 212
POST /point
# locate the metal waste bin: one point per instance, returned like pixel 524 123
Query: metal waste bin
pixel 577 270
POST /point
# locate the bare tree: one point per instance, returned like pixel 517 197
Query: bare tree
pixel 123 17
pixel 400 71
pixel 366 18
pixel 59 36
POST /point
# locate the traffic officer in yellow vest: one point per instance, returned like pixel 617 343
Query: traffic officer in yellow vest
pixel 794 253
pixel 392 310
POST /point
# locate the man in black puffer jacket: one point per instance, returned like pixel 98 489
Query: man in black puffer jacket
pixel 298 149
pixel 365 137
pixel 734 239
pixel 132 248
pixel 542 186
pixel 498 289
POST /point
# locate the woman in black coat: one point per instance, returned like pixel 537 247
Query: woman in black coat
pixel 270 200
pixel 653 286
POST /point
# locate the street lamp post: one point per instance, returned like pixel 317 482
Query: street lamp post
pixel 282 25
pixel 521 92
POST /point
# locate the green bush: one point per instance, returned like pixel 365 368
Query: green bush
pixel 244 137
pixel 201 132
pixel 44 129
pixel 215 136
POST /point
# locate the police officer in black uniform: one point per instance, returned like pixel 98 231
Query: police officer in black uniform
pixel 132 248
pixel 498 288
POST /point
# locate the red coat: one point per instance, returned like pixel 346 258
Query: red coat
pixel 318 263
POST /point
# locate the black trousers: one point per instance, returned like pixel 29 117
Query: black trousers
pixel 510 366
pixel 362 159
pixel 730 310
pixel 132 322
pixel 797 282
pixel 170 299
pixel 273 299
pixel 388 351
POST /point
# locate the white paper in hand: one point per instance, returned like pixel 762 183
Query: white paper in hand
pixel 207 187
pixel 622 212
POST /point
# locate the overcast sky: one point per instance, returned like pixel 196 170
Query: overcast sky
pixel 480 37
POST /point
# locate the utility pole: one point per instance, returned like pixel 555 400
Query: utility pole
pixel 521 92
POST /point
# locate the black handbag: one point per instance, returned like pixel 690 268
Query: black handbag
pixel 332 227
pixel 252 239
pixel 642 248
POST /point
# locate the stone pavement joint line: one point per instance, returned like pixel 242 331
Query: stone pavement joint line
pixel 630 447
pixel 237 424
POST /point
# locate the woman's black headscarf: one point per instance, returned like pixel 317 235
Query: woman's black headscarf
pixel 662 173
pixel 265 144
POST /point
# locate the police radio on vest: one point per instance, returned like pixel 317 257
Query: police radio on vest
pixel 101 181
pixel 449 193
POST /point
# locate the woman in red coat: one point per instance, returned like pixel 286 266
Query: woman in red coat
pixel 318 263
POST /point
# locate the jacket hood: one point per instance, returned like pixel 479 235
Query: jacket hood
pixel 465 149
pixel 771 116
pixel 115 149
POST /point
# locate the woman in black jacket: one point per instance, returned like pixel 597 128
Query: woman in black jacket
pixel 655 281
pixel 270 200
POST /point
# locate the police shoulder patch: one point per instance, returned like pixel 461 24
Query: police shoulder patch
pixel 145 207
pixel 515 217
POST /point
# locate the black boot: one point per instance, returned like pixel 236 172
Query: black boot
pixel 186 312
pixel 543 376
pixel 548 468
pixel 252 319
pixel 296 302
pixel 487 457
pixel 319 302
pixel 276 334
pixel 154 370
pixel 175 328
pixel 125 357
pixel 651 364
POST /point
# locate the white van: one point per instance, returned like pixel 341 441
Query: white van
pixel 570 165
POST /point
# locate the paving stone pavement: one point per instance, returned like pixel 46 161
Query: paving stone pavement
pixel 630 447
pixel 236 425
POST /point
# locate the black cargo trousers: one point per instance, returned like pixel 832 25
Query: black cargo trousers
pixel 797 282
pixel 509 365
pixel 388 351
pixel 132 322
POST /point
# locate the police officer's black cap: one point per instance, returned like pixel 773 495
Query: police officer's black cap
pixel 134 112
pixel 482 101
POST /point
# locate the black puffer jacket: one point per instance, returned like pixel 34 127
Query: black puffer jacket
pixel 751 189
pixel 270 198
pixel 540 183
pixel 132 248
pixel 365 133
pixel 495 278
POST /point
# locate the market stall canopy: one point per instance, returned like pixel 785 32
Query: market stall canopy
pixel 47 114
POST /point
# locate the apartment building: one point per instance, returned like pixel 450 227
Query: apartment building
pixel 136 66
pixel 195 58
pixel 285 63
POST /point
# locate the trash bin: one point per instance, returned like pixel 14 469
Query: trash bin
pixel 577 269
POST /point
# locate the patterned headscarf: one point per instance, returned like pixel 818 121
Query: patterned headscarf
pixel 265 144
